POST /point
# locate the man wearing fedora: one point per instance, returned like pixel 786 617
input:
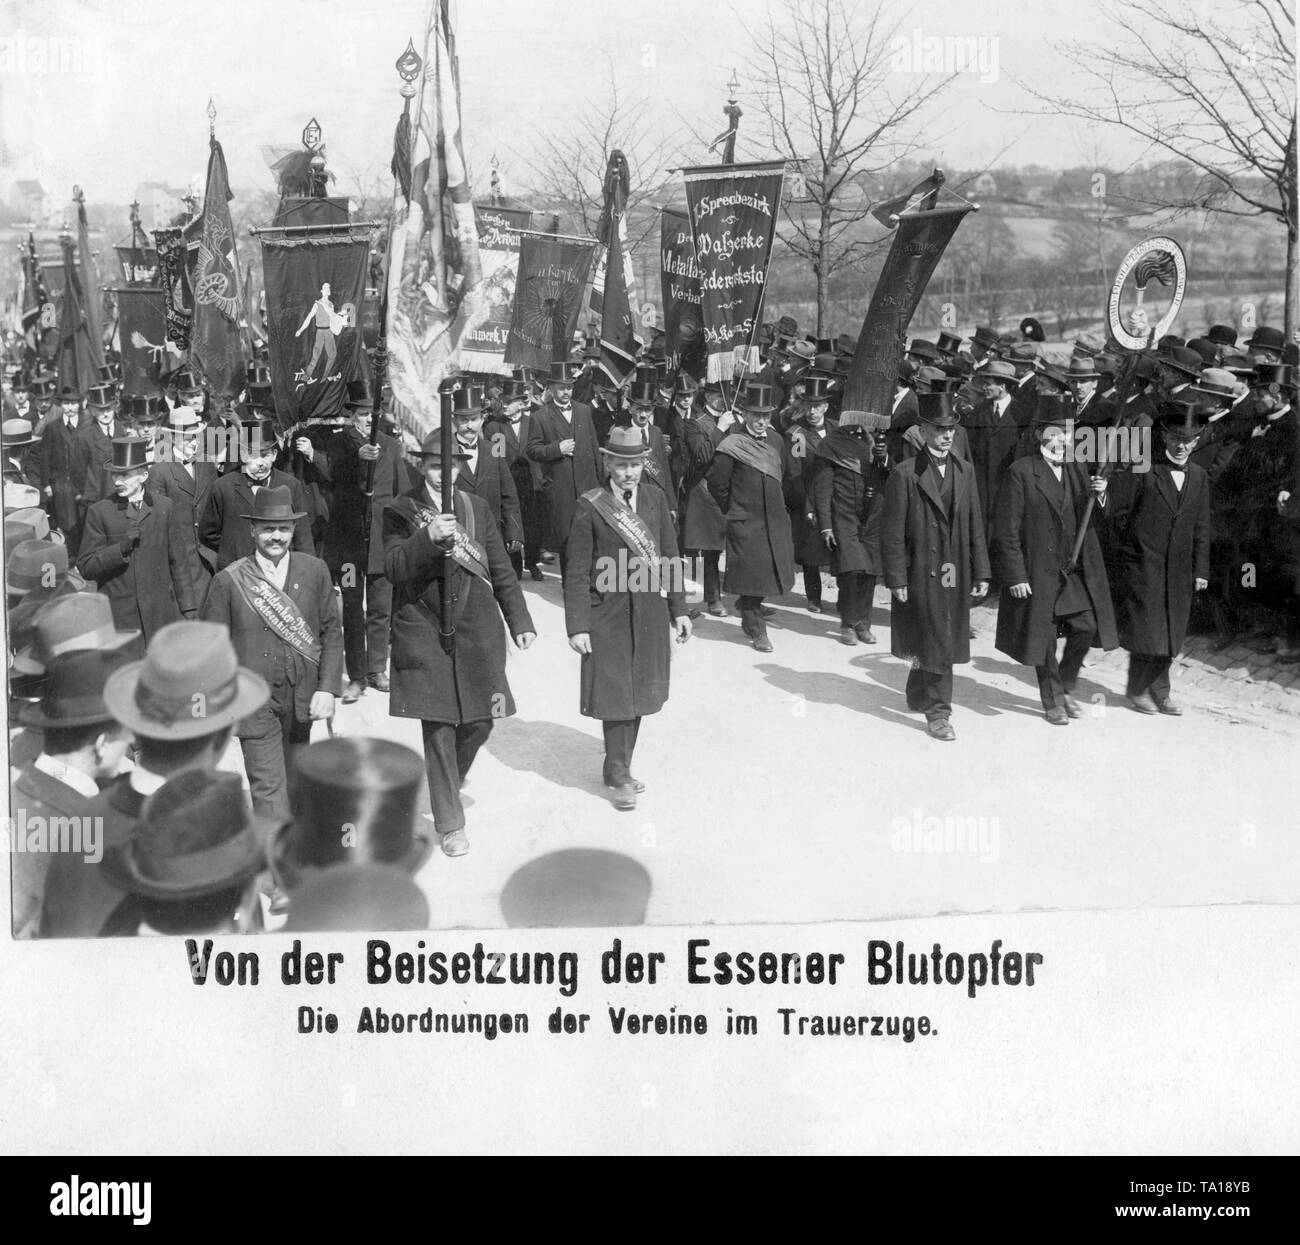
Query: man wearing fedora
pixel 563 440
pixel 1041 504
pixel 507 434
pixel 181 702
pixel 353 547
pixel 994 429
pixel 457 695
pixel 36 573
pixel 935 562
pixel 222 526
pixel 621 546
pixel 19 443
pixel 186 479
pixel 82 747
pixel 284 623
pixel 135 551
pixel 750 479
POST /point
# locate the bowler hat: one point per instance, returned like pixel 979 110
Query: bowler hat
pixel 357 898
pixel 35 564
pixel 68 624
pixel 432 446
pixel 74 689
pixel 467 399
pixel 625 443
pixel 69 395
pixel 563 372
pixel 197 835
pixel 578 887
pixel 1181 359
pixel 102 396
pixel 353 800
pixel 1170 341
pixel 936 409
pixel 360 394
pixel 922 349
pixel 757 398
pixel 189 683
pixel 16 433
pixel 1266 337
pixel 274 505
pixel 1208 350
pixel 1222 334
pixel 129 454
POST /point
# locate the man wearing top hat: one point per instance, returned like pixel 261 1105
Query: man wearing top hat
pixel 704 528
pixel 353 546
pixel 507 434
pixel 563 440
pixel 622 553
pixel 1040 505
pixel 751 481
pixel 607 406
pixel 136 551
pixel 186 479
pixel 57 462
pixel 95 438
pixel 807 430
pixel 639 416
pixel 456 695
pixel 935 562
pixel 222 529
pixel 484 470
pixel 44 394
pixel 284 623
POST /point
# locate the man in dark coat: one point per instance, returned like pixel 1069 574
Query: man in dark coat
pixel 994 429
pixel 639 416
pixel 1161 525
pixel 221 529
pixel 186 479
pixel 484 470
pixel 807 431
pixel 136 551
pixel 285 626
pixel 935 561
pixel 751 481
pixel 622 549
pixel 507 436
pixel 95 437
pixel 458 695
pixel 1036 520
pixel 563 440
pixel 704 529
pixel 57 464
pixel 354 538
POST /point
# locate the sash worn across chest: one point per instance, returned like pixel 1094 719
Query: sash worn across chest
pixel 627 525
pixel 842 450
pixel 276 609
pixel 761 455
pixel 465 550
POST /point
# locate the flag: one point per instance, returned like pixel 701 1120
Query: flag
pixel 923 196
pixel 552 277
pixel 498 247
pixel 620 329
pixel 215 346
pixel 148 353
pixel 178 294
pixel 679 285
pixel 435 278
pixel 76 364
pixel 40 317
pixel 93 299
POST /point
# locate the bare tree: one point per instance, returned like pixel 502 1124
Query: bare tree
pixel 1215 92
pixel 835 99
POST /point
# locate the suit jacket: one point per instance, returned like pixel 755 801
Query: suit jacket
pixel 57 463
pixel 513 440
pixel 565 478
pixel 38 794
pixel 94 449
pixel 311 589
pixel 188 498
pixel 156 582
pixel 222 530
pixel 760 552
pixel 491 480
pixel 347 504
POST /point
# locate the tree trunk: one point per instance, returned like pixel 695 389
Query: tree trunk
pixel 1292 284
pixel 822 270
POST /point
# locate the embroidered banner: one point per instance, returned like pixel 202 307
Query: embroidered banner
pixel 484 346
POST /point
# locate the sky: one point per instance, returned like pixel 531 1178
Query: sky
pixel 112 93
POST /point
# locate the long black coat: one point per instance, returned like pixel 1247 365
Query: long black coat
pixel 188 498
pixel 625 675
pixel 566 478
pixel 936 556
pixel 760 552
pixel 993 441
pixel 491 481
pixel 704 526
pixel 1162 546
pixel 94 448
pixel 809 547
pixel 850 504
pixel 468 685
pixel 1031 544
pixel 156 583
pixel 58 466
pixel 222 530
pixel 347 501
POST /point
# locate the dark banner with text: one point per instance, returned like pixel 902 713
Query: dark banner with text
pixel 484 346
pixel 553 274
pixel 680 284
pixel 733 218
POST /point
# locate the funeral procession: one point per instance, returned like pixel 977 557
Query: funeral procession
pixel 822 470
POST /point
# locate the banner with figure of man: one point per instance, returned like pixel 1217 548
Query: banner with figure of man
pixel 314 292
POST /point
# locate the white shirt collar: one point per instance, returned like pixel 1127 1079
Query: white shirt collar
pixel 618 494
pixel 82 784
pixel 278 575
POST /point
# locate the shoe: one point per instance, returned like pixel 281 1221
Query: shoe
pixel 848 636
pixel 1168 706
pixel 767 611
pixel 941 728
pixel 548 558
pixel 379 682
pixel 1057 716
pixel 814 607
pixel 864 633
pixel 762 644
pixel 453 843
pixel 973 633
pixel 1072 707
pixel 832 610
pixel 352 692
pixel 695 613
pixel 1142 703
pixel 716 609
pixel 625 798
pixel 635 783
pixel 536 572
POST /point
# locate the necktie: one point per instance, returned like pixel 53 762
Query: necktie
pixel 627 498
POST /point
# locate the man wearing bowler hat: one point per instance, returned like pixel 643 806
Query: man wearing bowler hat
pixel 57 461
pixel 457 695
pixel 563 440
pixel 935 562
pixel 136 551
pixel 285 626
pixel 994 431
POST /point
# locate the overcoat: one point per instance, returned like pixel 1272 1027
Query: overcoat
pixel 625 675
pixel 760 552
pixel 491 481
pixel 222 530
pixel 937 555
pixel 850 504
pixel 565 478
pixel 59 469
pixel 188 498
pixel 347 502
pixel 993 442
pixel 1032 543
pixel 809 547
pixel 469 684
pixel 704 526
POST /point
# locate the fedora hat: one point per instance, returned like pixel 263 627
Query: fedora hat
pixel 685 386
pixel 1266 337
pixel 35 564
pixel 923 349
pixel 357 898
pixel 42 387
pixel 143 408
pixel 467 399
pixel 272 505
pixel 985 336
pixel 757 398
pixel 845 345
pixel 197 835
pixel 69 624
pixel 1215 383
pixel 74 690
pixel 936 409
pixel 16 433
pixel 129 454
pixel 787 326
pixel 432 447
pixel 1181 359
pixel 803 350
pixel 997 369
pixel 31 524
pixel 353 800
pixel 184 418
pixel 189 683
pixel 102 396
pixel 563 372
pixel 625 443
pixel 1054 410
pixel 1081 367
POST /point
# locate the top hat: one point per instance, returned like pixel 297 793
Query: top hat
pixel 42 387
pixel 432 447
pixel 625 443
pixel 353 800
pixel 645 387
pixel 998 369
pixel 143 408
pixel 825 345
pixel 1181 416
pixel 1081 368
pixel 183 380
pixel 196 836
pixel 16 433
pixel 69 624
pixel 563 372
pixel 102 395
pixel 357 898
pixel 33 564
pixel 816 387
pixel 685 386
pixel 936 408
pixel 1274 375
pixel 948 343
pixel 985 336
pixel 107 373
pixel 757 398
pixel 189 683
pixel 514 389
pixel 1054 410
pixel 1222 334
pixel 259 376
pixel 1207 349
pixel 274 505
pixel 360 394
pixel 1267 338
pixel 467 400
pixel 129 454
pixel 260 433
pixel 74 689
pixel 591 348
pixel 922 349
